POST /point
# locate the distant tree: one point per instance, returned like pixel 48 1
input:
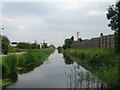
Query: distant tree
pixel 44 46
pixel 79 40
pixel 114 16
pixel 24 45
pixel 72 38
pixel 60 49
pixel 38 46
pixel 51 46
pixel 101 34
pixel 5 44
pixel 35 46
pixel 68 43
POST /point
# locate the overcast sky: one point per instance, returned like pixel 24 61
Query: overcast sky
pixel 54 21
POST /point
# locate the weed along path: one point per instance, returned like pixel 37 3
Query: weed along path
pixel 58 71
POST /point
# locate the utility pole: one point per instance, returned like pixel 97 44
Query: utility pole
pixel 44 41
pixel 1 40
pixel 2 29
pixel 77 35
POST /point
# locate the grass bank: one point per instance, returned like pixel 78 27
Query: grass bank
pixel 14 64
pixel 101 62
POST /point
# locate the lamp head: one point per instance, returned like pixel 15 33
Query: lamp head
pixel 2 28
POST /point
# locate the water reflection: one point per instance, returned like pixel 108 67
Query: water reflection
pixel 29 68
pixel 81 78
pixel 67 59
pixel 57 72
pixel 12 78
pixel 59 51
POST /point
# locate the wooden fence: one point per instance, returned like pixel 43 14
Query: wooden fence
pixel 106 41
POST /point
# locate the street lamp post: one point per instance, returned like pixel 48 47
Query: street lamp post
pixel 1 40
pixel 2 29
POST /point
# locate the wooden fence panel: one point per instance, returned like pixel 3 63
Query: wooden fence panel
pixel 99 42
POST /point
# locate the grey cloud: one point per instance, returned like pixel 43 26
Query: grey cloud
pixel 38 21
pixel 27 8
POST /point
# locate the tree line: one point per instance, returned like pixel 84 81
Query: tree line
pixel 68 42
pixel 25 45
pixel 6 47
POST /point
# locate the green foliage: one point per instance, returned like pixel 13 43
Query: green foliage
pixel 68 43
pixel 102 62
pixel 108 75
pixel 32 56
pixel 5 44
pixel 44 46
pixel 13 64
pixel 79 40
pixel 10 62
pixel 60 48
pixel 24 45
pixel 11 47
pixel 68 60
pixel 4 82
pixel 72 38
pixel 114 16
pixel 51 46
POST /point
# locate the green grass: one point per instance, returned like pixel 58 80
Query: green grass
pixel 0 82
pixel 33 56
pixel 10 62
pixel 0 60
pixel 13 64
pixel 102 62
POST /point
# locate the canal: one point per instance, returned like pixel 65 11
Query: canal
pixel 57 71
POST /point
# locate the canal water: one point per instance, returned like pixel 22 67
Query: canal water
pixel 57 71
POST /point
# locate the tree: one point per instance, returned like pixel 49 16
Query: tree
pixel 24 45
pixel 68 43
pixel 79 40
pixel 5 44
pixel 72 38
pixel 44 46
pixel 51 46
pixel 114 16
pixel 59 49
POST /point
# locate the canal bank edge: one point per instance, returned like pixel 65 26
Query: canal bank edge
pixel 103 63
pixel 20 62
